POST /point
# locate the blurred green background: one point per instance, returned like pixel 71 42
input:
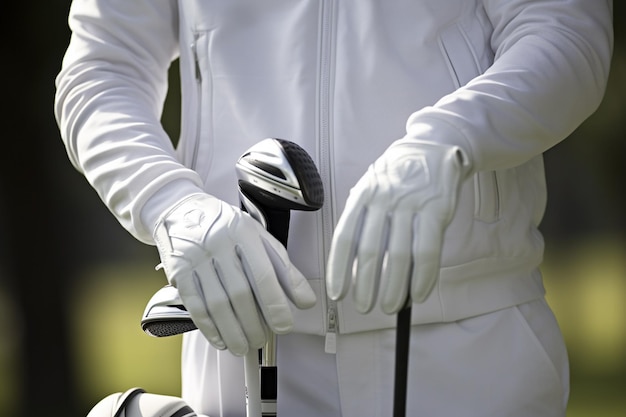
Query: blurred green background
pixel 73 284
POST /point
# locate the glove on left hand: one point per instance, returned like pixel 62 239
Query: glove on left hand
pixel 232 275
pixel 393 225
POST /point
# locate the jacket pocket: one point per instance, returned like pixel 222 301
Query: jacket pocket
pixel 464 66
pixel 200 137
pixel 486 196
pixel 459 55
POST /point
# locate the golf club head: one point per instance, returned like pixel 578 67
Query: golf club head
pixel 274 176
pixel 165 315
pixel 279 174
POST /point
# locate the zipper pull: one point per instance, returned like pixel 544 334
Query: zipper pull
pixel 330 342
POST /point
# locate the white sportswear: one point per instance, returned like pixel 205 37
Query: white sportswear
pixel 504 80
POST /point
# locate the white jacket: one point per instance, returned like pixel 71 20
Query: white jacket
pixel 503 79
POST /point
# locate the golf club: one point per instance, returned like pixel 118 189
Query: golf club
pixel 403 345
pixel 275 176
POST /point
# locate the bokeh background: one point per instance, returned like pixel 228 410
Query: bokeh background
pixel 73 284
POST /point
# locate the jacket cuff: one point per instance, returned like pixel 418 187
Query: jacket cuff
pixel 164 200
pixel 432 129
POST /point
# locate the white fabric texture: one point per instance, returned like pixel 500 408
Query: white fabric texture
pixel 489 76
pixel 504 80
pixel 509 363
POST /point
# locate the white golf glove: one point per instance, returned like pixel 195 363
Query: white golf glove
pixel 232 275
pixel 393 225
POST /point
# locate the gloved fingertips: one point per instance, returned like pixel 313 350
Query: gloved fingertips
pixel 217 343
pixel 211 334
pixel 258 344
pixel 282 329
pixel 424 284
pixel 303 295
pixel 363 306
pixel 293 283
pixel 420 296
pixel 280 319
pixel 238 350
pixel 339 274
pixel 392 306
pixel 344 247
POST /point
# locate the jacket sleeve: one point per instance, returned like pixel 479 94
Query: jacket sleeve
pixel 549 74
pixel 109 99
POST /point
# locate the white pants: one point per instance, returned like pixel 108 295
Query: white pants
pixel 509 363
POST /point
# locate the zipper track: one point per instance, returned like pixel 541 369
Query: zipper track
pixel 325 88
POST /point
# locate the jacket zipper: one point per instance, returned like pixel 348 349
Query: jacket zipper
pixel 330 341
pixel 326 51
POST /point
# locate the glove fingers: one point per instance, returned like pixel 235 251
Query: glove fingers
pixel 343 252
pixel 397 271
pixel 241 306
pixel 427 245
pixel 295 286
pixel 192 295
pixel 370 255
pixel 269 295
pixel 213 313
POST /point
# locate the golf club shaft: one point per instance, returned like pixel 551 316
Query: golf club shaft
pixel 275 176
pixel 403 344
pixel 252 382
pixel 277 224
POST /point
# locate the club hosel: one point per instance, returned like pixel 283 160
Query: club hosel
pixel 275 220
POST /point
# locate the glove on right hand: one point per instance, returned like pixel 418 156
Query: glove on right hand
pixel 393 225
pixel 232 275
